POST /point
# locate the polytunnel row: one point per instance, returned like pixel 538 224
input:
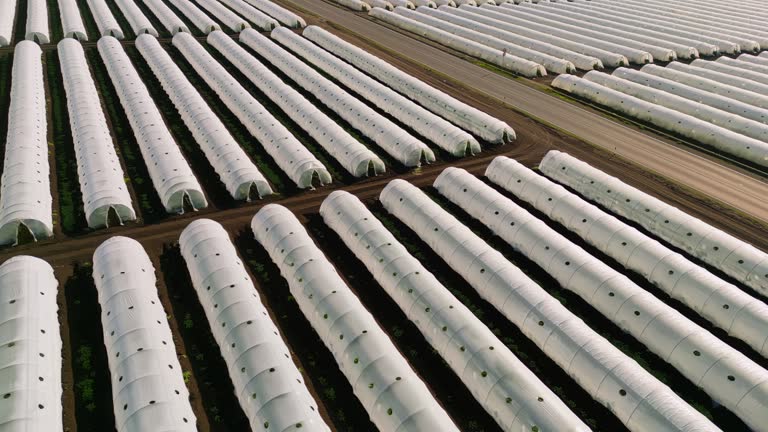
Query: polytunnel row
pixel 148 389
pixel 734 257
pixel 25 192
pixel 390 391
pixel 241 177
pixel 171 175
pixel 199 19
pixel 723 131
pixel 728 376
pixel 560 35
pixel 730 32
pixel 397 142
pixel 439 131
pixel 503 385
pixel 71 21
pixel 105 195
pixel 719 301
pixel 268 385
pixel 291 156
pixel 235 14
pixel 470 119
pixel 353 156
pixel 636 397
pixel 31 344
pixel 401 17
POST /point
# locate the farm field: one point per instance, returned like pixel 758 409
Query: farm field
pixel 244 213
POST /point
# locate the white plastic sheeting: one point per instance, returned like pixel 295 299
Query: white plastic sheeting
pixel 139 23
pixel 25 194
pixel 301 166
pixel 223 14
pixel 394 140
pixel 734 257
pixel 664 14
pixel 758 60
pixel 472 351
pixel 554 58
pixel 105 21
pixel 722 78
pixel 515 64
pixel 30 372
pixel 468 29
pixel 730 70
pixel 709 85
pixel 470 119
pixel 732 143
pixel 102 181
pixel 37 21
pixel 380 3
pixel 732 122
pixel 517 26
pixel 727 375
pixel 71 21
pixel 7 18
pixel 198 18
pixel 720 19
pixel 618 46
pixel 720 302
pixel 702 96
pixel 231 163
pixel 654 21
pixel 743 64
pixel 637 398
pixel 262 20
pixel 684 47
pixel 353 156
pixel 172 177
pixel 166 16
pixel 279 13
pixel 148 389
pixel 268 385
pixel 358 5
pixel 661 50
pixel 439 131
pixel 403 3
pixel 389 390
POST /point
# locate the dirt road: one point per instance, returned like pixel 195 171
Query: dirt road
pixel 712 178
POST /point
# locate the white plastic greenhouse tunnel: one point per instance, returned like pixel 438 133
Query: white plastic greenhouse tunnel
pixel 267 383
pixel 31 347
pixel 71 21
pixel 736 258
pixel 26 204
pixel 394 396
pixel 467 117
pixel 148 390
pixel 462 339
pixel 239 174
pixel 199 19
pixel 724 373
pixel 637 398
pixel 105 21
pixel 293 158
pixel 174 181
pixel 356 158
pixel 37 21
pixel 7 16
pixel 397 142
pixel 436 129
pixel 718 301
pixel 106 198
